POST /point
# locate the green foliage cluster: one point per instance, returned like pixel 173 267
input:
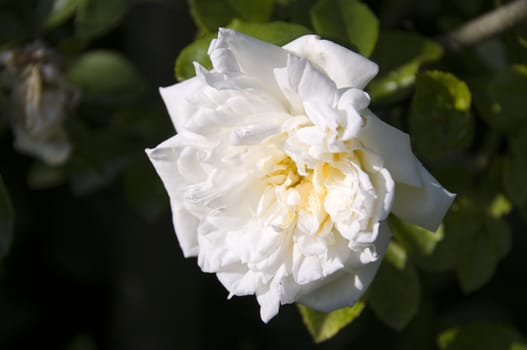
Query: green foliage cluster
pixel 465 112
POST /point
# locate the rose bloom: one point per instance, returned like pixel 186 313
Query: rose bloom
pixel 280 177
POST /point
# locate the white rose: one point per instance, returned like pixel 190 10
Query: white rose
pixel 279 176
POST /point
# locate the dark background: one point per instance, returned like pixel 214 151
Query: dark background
pixel 88 272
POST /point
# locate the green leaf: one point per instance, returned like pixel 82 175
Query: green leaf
pixel 447 337
pixel 299 11
pixel 394 295
pixel 396 254
pixel 415 239
pixel 209 15
pixel 96 17
pixel 484 241
pixel 515 169
pixel 251 10
pixel 58 11
pixel 481 336
pixel 7 218
pixel 323 326
pixel 399 56
pixel 277 33
pixel 499 207
pixel 444 255
pixel 440 118
pixel 347 22
pixel 105 74
pixel 194 52
pixel 501 100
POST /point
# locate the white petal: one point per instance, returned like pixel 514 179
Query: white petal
pixel 175 97
pixel 165 162
pixel 314 86
pixel 222 81
pixel 308 269
pixel 254 57
pixel 393 146
pixel 239 281
pixel 353 98
pixel 345 67
pixel 253 134
pixel 185 225
pixel 223 59
pixel 349 285
pixel 269 303
pixel 424 206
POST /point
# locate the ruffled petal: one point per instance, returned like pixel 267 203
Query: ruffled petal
pixel 393 146
pixel 345 67
pixel 165 161
pixel 176 100
pixel 255 58
pixel 424 206
pixel 349 285
pixel 269 301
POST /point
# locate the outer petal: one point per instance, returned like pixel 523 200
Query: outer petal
pixel 345 67
pixel 164 159
pixel 350 285
pixel 255 58
pixel 424 206
pixel 175 98
pixel 393 146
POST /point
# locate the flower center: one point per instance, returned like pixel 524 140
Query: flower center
pixel 285 173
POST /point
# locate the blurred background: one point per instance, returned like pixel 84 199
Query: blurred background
pixel 93 262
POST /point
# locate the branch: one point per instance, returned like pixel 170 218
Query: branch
pixel 485 26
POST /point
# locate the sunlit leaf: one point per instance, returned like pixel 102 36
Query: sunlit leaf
pixel 7 218
pixel 399 56
pixel 211 14
pixel 323 326
pixel 347 22
pixel 440 118
pixel 394 294
pixel 500 206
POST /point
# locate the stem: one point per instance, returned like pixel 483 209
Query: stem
pixel 485 26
